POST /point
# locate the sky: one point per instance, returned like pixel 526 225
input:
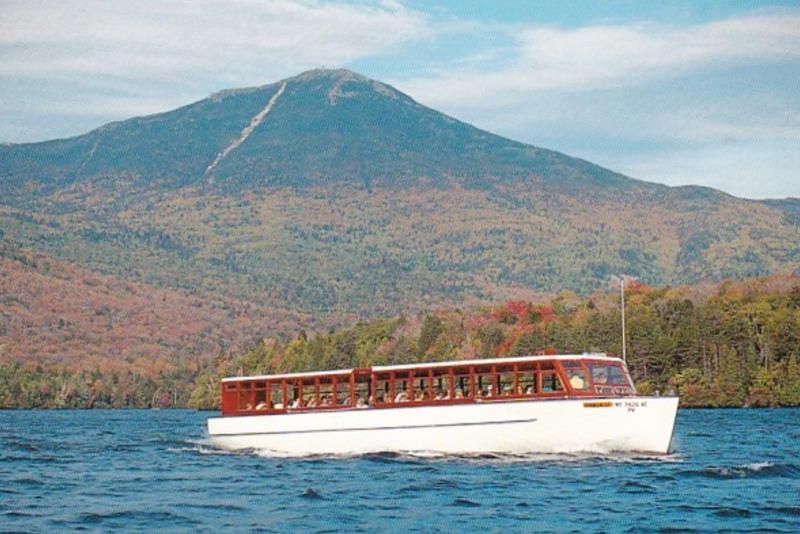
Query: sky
pixel 696 92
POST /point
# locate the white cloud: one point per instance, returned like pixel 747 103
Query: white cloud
pixel 130 57
pixel 609 56
pixel 713 104
pixel 165 39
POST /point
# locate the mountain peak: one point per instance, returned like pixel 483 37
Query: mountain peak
pixel 331 74
pixel 318 127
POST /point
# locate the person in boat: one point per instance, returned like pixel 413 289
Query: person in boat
pixel 459 394
pixel 420 396
pixel 249 406
pixel 439 395
pixel 296 403
pixel 312 402
pixel 601 377
pixel 529 390
pixel 577 381
pixel 361 402
pixel 402 396
pixel 326 401
pixel 262 405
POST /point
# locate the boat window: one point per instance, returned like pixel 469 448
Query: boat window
pixel 462 385
pixel 551 382
pixel 260 397
pixel 294 394
pixel 576 375
pixel 276 395
pixel 506 385
pixel 442 383
pixel 402 389
pixel 343 392
pixel 526 378
pixel 363 393
pixel 383 389
pixel 230 386
pixel 486 383
pixel 246 394
pixel 309 394
pixel 603 373
pixel 326 393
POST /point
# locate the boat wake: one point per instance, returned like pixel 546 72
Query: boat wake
pixel 206 447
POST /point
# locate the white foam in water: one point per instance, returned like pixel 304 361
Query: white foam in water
pixel 758 466
pixel 623 457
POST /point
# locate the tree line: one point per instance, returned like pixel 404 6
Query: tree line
pixel 723 345
pixel 726 345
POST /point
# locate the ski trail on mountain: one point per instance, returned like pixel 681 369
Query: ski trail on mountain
pixel 254 122
pixel 90 156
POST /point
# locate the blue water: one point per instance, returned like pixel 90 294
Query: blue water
pixel 145 471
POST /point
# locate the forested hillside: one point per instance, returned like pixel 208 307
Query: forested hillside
pixel 729 344
pixel 97 331
pixel 335 195
pixel 734 344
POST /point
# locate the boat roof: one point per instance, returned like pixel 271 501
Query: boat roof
pixel 449 363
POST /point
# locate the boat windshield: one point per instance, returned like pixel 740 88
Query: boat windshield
pixel 605 373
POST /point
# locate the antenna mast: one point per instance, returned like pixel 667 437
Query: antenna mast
pixel 624 344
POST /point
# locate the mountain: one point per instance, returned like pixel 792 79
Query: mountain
pixel 314 129
pixel 338 196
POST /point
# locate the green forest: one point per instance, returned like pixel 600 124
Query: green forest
pixel 724 345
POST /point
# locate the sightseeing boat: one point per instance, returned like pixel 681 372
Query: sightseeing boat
pixel 549 404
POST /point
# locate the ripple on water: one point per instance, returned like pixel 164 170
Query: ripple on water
pixel 312 494
pixel 467 503
pixel 635 487
pixel 157 472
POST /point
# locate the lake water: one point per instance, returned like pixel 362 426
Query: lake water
pixel 145 471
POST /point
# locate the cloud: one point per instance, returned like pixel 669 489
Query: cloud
pixel 609 56
pixel 102 55
pixel 712 104
pixel 162 39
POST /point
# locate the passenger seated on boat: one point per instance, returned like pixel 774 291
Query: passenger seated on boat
pixel 420 396
pixel 577 382
pixel 439 395
pixel 507 392
pixel 459 393
pixel 401 397
pixel 345 401
pixel 262 406
pixel 312 402
pixel 297 403
pixel 386 398
pixel 326 401
pixel 601 377
pixel 361 402
pixel 529 390
pixel 249 406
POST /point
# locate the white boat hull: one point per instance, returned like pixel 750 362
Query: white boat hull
pixel 642 424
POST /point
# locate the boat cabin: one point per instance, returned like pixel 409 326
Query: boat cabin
pixel 442 383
